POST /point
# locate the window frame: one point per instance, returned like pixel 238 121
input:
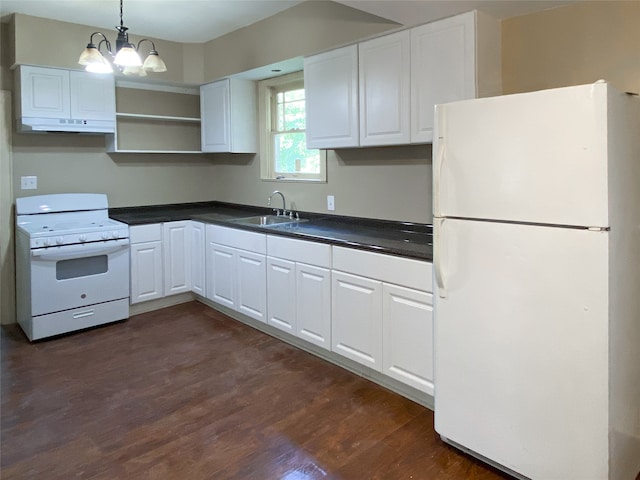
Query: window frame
pixel 267 90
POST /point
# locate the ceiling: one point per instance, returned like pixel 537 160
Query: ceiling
pixel 199 21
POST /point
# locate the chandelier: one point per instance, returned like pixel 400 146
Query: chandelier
pixel 126 56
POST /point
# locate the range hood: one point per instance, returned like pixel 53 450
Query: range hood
pixel 42 125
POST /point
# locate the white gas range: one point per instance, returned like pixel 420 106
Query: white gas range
pixel 72 264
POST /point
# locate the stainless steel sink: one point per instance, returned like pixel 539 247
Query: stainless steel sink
pixel 265 220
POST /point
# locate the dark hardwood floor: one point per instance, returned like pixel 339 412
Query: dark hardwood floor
pixel 188 393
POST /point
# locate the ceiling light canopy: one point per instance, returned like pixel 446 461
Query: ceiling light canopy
pixel 126 56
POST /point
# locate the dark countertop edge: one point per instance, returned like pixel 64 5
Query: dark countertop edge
pixel 143 215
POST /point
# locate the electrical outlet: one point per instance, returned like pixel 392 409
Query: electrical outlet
pixel 331 202
pixel 29 183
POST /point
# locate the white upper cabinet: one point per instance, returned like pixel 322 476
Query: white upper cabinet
pixel 400 78
pixel 228 109
pixel 93 96
pixel 453 59
pixel 71 100
pixel 331 89
pixel 44 92
pixel 385 90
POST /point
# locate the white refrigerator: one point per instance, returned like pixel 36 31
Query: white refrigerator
pixel 537 266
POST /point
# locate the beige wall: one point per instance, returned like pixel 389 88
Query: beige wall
pixel 573 45
pixel 7 258
pixel 307 28
pixel 391 183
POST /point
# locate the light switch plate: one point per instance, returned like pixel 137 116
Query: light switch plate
pixel 331 202
pixel 29 182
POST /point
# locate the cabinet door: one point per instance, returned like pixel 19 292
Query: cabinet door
pixel 215 110
pixel 44 92
pixel 442 69
pixel 146 271
pixel 384 81
pixel 281 294
pixel 407 325
pixel 331 98
pixel 177 257
pixel 92 95
pixel 198 268
pixel 313 304
pixel 252 285
pixel 356 319
pixel 221 274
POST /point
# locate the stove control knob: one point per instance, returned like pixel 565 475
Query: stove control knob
pixel 46 242
pixel 59 240
pixel 115 234
pixel 105 236
pixel 82 238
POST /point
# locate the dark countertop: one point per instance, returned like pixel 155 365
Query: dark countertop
pixel 404 239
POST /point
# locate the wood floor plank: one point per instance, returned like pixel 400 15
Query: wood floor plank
pixel 188 393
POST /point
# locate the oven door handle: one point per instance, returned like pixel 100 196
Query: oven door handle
pixel 69 252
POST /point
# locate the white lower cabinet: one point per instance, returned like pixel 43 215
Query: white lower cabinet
pixel 166 259
pixel 251 279
pixel 356 318
pixel 382 314
pixel 407 332
pixel 177 257
pixel 299 288
pixel 197 244
pixel 221 274
pixel 146 262
pixel 281 294
pixel 313 304
pixel 236 270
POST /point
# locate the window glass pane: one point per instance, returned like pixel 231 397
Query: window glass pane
pixel 280 126
pixel 292 155
pixel 293 95
pixel 294 115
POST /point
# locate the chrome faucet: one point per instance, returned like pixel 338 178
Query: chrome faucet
pixel 284 203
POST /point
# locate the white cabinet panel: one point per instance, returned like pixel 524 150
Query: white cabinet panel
pixel 313 304
pixel 197 245
pixel 93 96
pixel 408 272
pixel 221 274
pixel 251 291
pixel 331 88
pixel 443 66
pixel 385 90
pixel 177 257
pixel 44 92
pixel 281 294
pixel 146 271
pixel 407 321
pixel 356 319
pixel 228 108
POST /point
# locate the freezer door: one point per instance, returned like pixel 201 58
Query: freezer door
pixel 537 157
pixel 521 346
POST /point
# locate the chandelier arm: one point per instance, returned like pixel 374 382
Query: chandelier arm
pixel 153 45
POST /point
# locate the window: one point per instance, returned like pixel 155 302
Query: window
pixel 283 149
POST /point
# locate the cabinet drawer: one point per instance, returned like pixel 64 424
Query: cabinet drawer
pixel 145 233
pixel 311 253
pixel 242 239
pixel 407 272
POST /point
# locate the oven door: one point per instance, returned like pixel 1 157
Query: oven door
pixel 72 276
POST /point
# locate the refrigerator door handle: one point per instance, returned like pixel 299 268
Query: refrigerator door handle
pixel 439 145
pixel 438 223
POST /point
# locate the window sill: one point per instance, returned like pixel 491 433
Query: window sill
pixel 293 180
